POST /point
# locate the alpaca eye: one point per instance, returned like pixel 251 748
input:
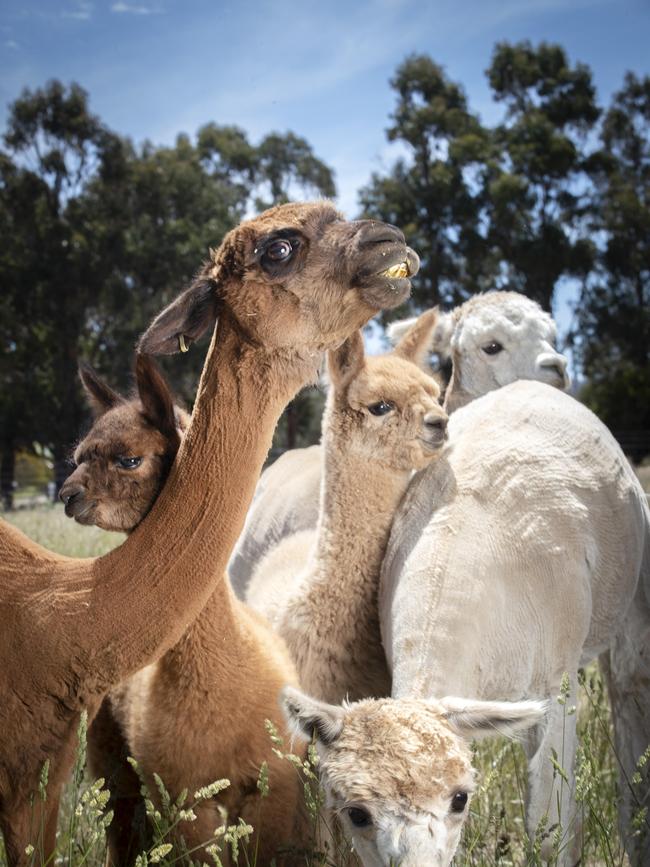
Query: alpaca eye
pixel 381 408
pixel 128 463
pixel 492 348
pixel 279 251
pixel 360 818
pixel 458 802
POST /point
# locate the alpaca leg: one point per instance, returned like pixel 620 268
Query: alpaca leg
pixel 16 835
pixel 32 825
pixel 551 803
pixel 51 820
pixel 129 833
pixel 627 673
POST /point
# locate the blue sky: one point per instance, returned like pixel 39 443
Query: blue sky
pixel 154 68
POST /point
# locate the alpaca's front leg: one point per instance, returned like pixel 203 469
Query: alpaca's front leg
pixel 32 825
pixel 551 802
pixel 129 833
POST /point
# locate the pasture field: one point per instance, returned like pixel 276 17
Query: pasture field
pixel 494 834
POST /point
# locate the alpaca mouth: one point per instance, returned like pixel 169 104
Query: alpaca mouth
pixel 435 442
pixel 81 515
pixel 400 270
pixel 386 279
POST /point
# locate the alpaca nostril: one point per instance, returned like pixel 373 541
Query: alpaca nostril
pixel 374 232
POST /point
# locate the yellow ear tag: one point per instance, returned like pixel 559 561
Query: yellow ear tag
pixel 181 343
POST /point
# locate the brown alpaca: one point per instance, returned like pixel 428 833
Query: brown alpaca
pixel 122 464
pixel 285 286
pixel 382 421
pixel 125 458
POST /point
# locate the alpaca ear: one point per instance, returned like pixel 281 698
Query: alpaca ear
pixel 415 342
pixel 156 398
pixel 184 320
pixel 479 719
pixel 99 395
pixel 307 717
pixel 345 362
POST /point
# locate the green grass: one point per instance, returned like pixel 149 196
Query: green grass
pixel 49 526
pixel 494 835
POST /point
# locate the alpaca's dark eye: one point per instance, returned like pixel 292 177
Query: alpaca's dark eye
pixel 360 818
pixel 459 802
pixel 128 463
pixel 381 408
pixel 279 251
pixel 492 348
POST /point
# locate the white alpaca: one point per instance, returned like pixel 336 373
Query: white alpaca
pixel 398 773
pixel 493 339
pixel 513 559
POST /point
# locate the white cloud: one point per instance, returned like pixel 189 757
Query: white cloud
pixel 82 12
pixel 135 9
pixel 10 43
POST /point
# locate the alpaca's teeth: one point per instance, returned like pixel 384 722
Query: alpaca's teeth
pixel 401 270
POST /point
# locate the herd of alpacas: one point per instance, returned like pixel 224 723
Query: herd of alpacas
pixel 437 570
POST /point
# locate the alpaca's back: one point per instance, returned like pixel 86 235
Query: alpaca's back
pixel 524 545
pixel 286 502
pixel 277 576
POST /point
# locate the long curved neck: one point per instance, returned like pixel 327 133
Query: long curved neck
pixel 359 497
pixel 119 612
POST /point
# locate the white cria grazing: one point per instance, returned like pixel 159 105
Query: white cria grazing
pixel 494 339
pixel 398 773
pixel 513 559
pixel 286 500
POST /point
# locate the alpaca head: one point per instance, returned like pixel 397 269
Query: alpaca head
pixel 298 278
pixel 125 457
pixel 386 408
pixel 397 772
pixel 494 339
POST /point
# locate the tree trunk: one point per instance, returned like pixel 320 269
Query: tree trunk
pixel 7 471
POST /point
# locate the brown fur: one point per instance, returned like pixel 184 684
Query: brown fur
pixel 72 629
pixel 328 612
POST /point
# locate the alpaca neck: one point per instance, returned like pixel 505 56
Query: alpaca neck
pixel 121 611
pixel 456 396
pixel 333 629
pixel 209 650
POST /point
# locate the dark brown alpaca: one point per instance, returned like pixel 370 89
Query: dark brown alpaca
pixel 122 464
pixel 124 459
pixel 285 286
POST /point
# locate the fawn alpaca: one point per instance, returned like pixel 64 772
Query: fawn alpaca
pixel 319 589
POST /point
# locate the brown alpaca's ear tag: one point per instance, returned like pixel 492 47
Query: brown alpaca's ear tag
pixel 182 345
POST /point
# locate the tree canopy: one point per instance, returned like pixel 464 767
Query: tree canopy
pixel 99 233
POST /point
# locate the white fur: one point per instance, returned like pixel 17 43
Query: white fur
pixel 512 560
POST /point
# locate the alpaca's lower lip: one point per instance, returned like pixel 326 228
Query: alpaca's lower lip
pixel 434 444
pixel 83 515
